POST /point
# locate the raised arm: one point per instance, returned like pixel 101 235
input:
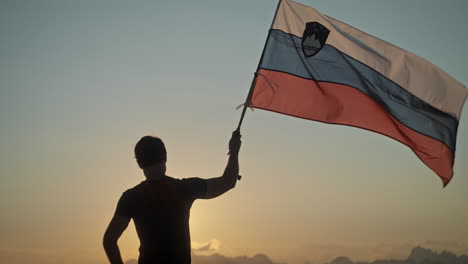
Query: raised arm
pixel 115 229
pixel 220 185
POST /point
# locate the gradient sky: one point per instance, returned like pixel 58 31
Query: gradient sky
pixel 82 81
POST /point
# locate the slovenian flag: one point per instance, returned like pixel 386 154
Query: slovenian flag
pixel 318 68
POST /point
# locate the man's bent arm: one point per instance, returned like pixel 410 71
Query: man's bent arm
pixel 115 229
pixel 220 185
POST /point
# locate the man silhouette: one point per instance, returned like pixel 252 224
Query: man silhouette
pixel 160 205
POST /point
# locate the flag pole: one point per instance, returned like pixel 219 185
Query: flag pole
pixel 254 80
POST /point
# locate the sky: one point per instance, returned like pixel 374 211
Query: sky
pixel 82 81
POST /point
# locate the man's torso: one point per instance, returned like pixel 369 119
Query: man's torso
pixel 160 210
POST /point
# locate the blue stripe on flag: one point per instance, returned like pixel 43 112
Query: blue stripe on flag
pixel 283 53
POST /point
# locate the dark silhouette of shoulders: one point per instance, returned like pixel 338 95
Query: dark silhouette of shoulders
pixel 160 210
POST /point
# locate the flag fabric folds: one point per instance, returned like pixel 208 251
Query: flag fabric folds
pixel 318 68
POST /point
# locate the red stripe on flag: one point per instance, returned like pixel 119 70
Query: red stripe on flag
pixel 340 104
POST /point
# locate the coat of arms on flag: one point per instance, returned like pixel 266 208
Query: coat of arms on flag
pixel 314 37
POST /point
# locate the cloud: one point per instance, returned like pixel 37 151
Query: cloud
pixel 342 260
pixel 318 253
pixel 220 259
pixel 440 245
pixel 418 255
pixel 210 246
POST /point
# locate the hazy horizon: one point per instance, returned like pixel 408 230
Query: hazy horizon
pixel 414 255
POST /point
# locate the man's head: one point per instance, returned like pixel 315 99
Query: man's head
pixel 150 151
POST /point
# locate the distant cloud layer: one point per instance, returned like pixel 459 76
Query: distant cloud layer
pixel 418 255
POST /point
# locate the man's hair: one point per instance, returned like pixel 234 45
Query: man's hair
pixel 149 150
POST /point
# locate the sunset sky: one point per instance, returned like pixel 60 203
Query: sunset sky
pixel 82 81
